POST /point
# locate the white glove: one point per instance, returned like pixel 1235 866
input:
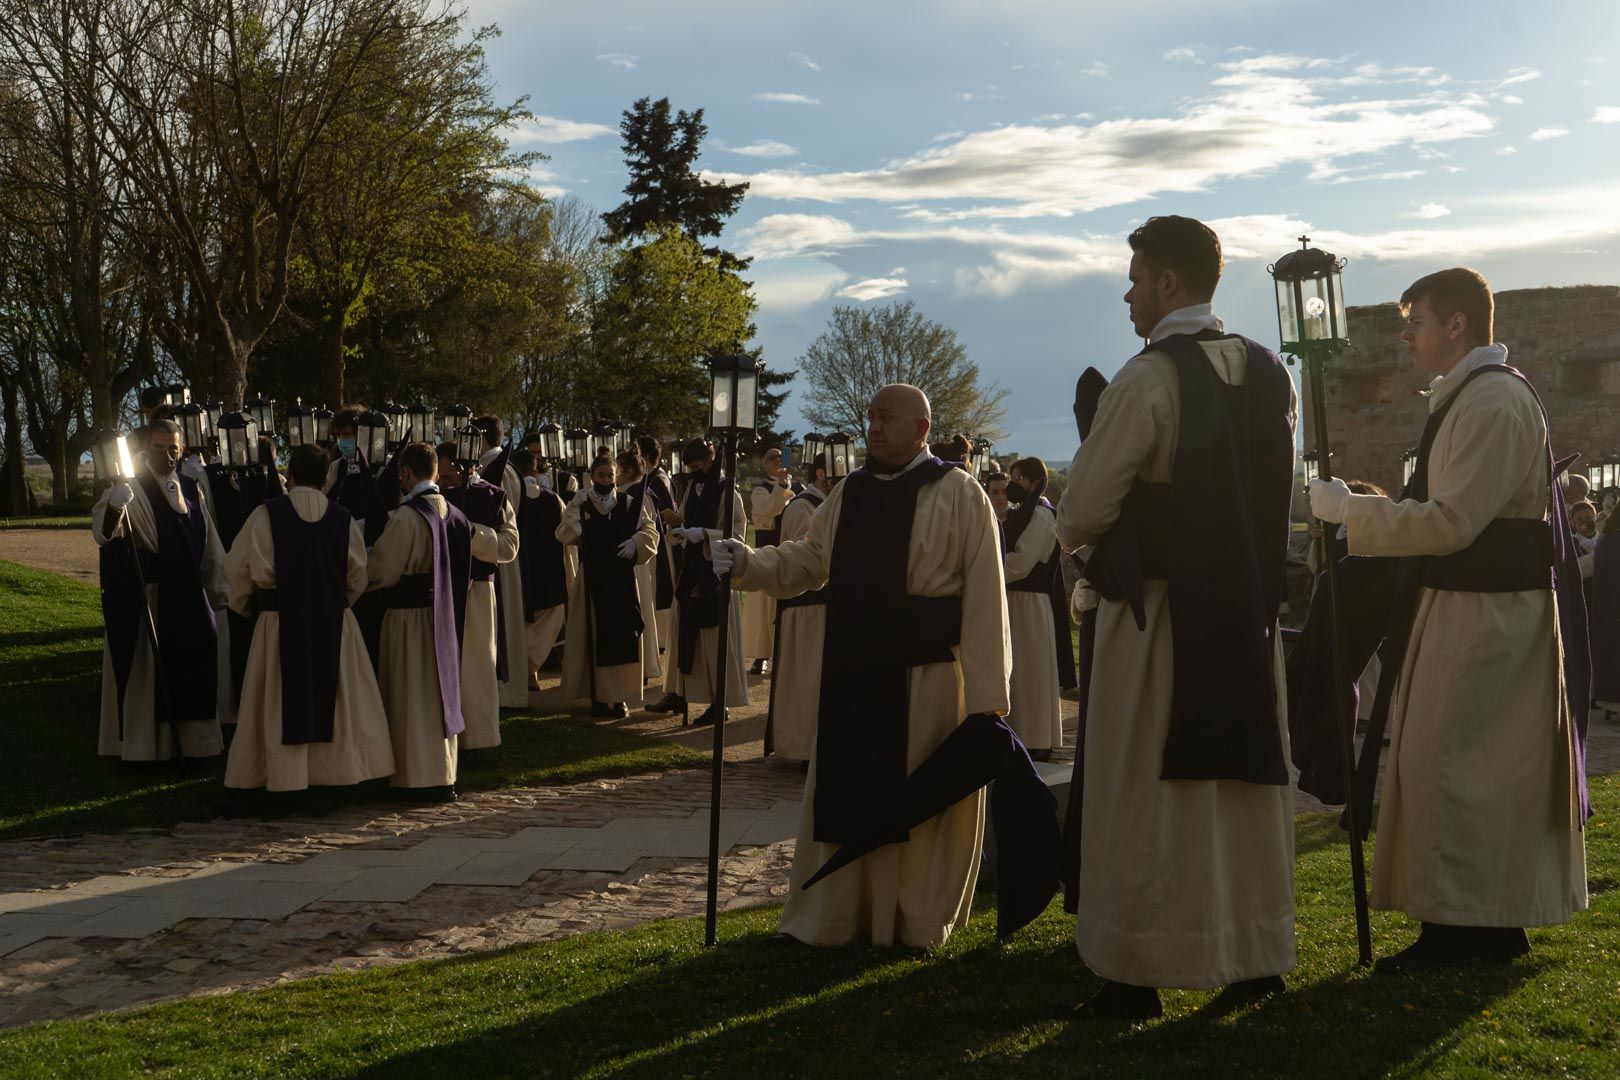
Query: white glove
pixel 579 497
pixel 627 550
pixel 1085 599
pixel 692 534
pixel 192 467
pixel 1330 500
pixel 120 495
pixel 728 555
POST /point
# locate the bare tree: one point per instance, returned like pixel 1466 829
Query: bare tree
pixel 865 349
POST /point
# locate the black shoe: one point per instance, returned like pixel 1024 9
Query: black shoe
pixel 1117 1001
pixel 710 715
pixel 779 940
pixel 1439 947
pixel 667 704
pixel 620 711
pixel 758 668
pixel 600 708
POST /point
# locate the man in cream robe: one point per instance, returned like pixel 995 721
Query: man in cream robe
pixel 765 504
pixel 514 689
pixel 424 754
pixel 360 748
pixel 1183 883
pixel 1037 705
pixel 547 626
pixel 125 511
pixel 915 892
pixel 631 479
pixel 796 671
pixel 1479 831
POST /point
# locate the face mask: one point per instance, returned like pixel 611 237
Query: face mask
pixel 346 447
pixel 602 489
pixel 1017 492
pixel 165 460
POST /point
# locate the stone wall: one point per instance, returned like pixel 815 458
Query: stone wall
pixel 1566 339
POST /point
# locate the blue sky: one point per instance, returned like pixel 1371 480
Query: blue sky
pixel 987 160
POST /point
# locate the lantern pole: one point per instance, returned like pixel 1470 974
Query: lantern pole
pixel 728 466
pixel 1315 356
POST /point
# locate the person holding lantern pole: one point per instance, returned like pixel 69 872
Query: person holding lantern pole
pixel 548 566
pixel 801 629
pixel 486 652
pixel 1484 798
pixel 631 480
pixel 661 490
pixel 514 684
pixel 1186 852
pixel 311 712
pixel 423 562
pixel 765 503
pixel 1029 539
pixel 183 567
pixel 614 532
pixel 916 642
pixel 699 605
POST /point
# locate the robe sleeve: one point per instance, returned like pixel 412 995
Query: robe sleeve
pixel 1033 546
pixel 239 561
pixel 486 543
pixel 1109 461
pixel 793 567
pixel 391 551
pixel 739 523
pixel 507 534
pixel 986 649
pixel 796 520
pixel 569 529
pixel 646 536
pixel 98 516
pixel 213 563
pixel 1491 452
pixel 357 579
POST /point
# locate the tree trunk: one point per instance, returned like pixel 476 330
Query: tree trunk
pixel 15 497
pixel 332 347
pixel 56 458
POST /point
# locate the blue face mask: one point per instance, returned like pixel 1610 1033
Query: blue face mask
pixel 346 447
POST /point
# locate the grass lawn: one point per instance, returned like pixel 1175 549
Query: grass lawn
pixel 68 522
pixel 50 681
pixel 651 1002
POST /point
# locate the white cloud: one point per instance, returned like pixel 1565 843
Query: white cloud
pixel 1506 151
pixel 874 289
pixel 1543 134
pixel 1097 70
pixel 542 180
pixel 781 98
pixel 617 59
pixel 799 287
pixel 781 236
pixel 1429 211
pixel 1183 54
pixel 1263 113
pixel 1519 75
pixel 1511 99
pixel 551 129
pixel 765 148
pixel 804 61
pixel 1606 114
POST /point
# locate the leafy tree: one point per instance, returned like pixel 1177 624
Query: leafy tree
pixel 865 349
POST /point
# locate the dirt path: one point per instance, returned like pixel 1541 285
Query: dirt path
pixel 71 552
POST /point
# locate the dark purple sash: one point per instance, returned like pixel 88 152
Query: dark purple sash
pixel 312 561
pixel 482 503
pixel 540 553
pixel 610 582
pixel 452 541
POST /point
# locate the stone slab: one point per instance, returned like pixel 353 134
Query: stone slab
pixel 20 929
pixel 136 919
pixel 257 900
pixel 440 858
pixel 388 884
pixel 503 867
pixel 58 902
pixel 599 859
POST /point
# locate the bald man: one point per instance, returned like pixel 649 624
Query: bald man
pixel 916 641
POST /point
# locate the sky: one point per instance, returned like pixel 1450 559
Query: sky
pixel 987 160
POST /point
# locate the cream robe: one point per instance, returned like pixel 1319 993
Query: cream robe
pixel 224 705
pixel 698 689
pixel 619 682
pixel 407 669
pixel 1183 883
pixel 145 739
pixel 360 748
pixel 759 611
pixel 647 589
pixel 916 892
pixel 542 634
pixel 514 690
pixel 480 652
pixel 796 673
pixel 1478 824
pixel 1037 707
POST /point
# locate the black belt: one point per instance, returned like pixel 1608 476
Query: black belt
pixel 1032 582
pixel 266 600
pixel 411 591
pixel 482 571
pixel 1511 555
pixel 809 599
pixel 767 537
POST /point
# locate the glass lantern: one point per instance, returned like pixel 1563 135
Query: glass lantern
pixel 672 457
pixel 577 448
pixel 452 420
pixel 110 456
pixel 372 432
pixel 300 422
pixel 238 440
pixel 469 444
pixel 733 395
pixel 813 446
pixel 323 423
pixel 1310 298
pixel 262 412
pixel 177 394
pixel 551 442
pixel 394 413
pixel 624 437
pixel 418 423
pixel 840 455
pixel 212 410
pixel 193 423
pixel 1408 465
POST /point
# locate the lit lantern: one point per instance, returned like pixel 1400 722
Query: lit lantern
pixel 469 444
pixel 672 461
pixel 177 394
pixel 987 464
pixel 300 422
pixel 551 442
pixel 372 433
pixel 193 423
pixel 419 423
pixel 452 420
pixel 109 454
pixel 1310 299
pixel 603 436
pixel 577 448
pixel 840 454
pixel 813 446
pixel 238 440
pixel 733 395
pixel 1408 465
pixel 263 414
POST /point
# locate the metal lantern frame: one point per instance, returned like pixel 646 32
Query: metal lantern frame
pixel 734 395
pixel 373 431
pixel 238 440
pixel 193 421
pixel 1310 299
pixel 810 453
pixel 577 449
pixel 323 423
pixel 111 458
pixel 394 413
pixel 624 437
pixel 469 445
pixel 176 394
pixel 300 424
pixel 262 411
pixel 418 423
pixel 452 419
pixel 1311 463
pixel 1408 465
pixel 551 442
pixel 840 451
pixel 604 433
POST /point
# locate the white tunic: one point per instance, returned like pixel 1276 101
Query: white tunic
pixel 480 651
pixel 698 688
pixel 515 687
pixel 1037 703
pixel 765 504
pixel 796 672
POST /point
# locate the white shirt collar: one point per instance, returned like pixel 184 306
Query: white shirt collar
pixel 426 487
pixel 922 455
pixel 1188 320
pixel 1442 387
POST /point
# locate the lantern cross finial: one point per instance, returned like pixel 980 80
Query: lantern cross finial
pixel 1304 241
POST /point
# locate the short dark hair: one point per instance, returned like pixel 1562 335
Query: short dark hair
pixel 820 464
pixel 1458 289
pixel 649 449
pixel 531 436
pixel 522 461
pixel 1185 245
pixel 445 450
pixel 165 411
pixel 1031 468
pixel 997 477
pixel 599 461
pixel 163 424
pixel 345 418
pixel 151 397
pixel 419 459
pixel 630 461
pixel 697 450
pixel 306 465
pixel 489 425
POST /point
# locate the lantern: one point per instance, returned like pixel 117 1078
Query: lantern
pixel 604 436
pixel 418 423
pixel 813 446
pixel 394 413
pixel 193 423
pixel 452 420
pixel 551 442
pixel 577 448
pixel 1408 465
pixel 840 455
pixel 212 410
pixel 1609 472
pixel 323 423
pixel 733 395
pixel 109 454
pixel 238 440
pixel 372 432
pixel 673 457
pixel 300 422
pixel 987 464
pixel 177 394
pixel 263 414
pixel 469 444
pixel 1310 298
pixel 624 437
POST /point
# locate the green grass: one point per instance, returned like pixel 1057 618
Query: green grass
pixel 50 680
pixel 59 522
pixel 651 1002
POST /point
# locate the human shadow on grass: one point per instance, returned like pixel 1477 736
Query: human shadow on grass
pixel 747 1009
pixel 23 639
